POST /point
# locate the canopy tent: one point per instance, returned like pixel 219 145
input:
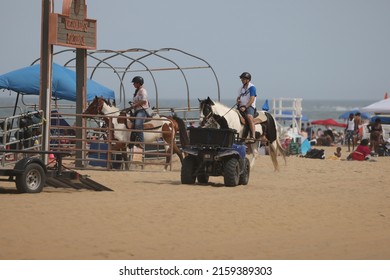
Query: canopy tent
pixel 363 115
pixel 328 122
pixel 27 81
pixel 380 107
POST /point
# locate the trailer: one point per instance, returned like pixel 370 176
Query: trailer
pixel 21 158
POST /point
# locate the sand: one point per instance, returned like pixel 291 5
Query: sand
pixel 310 209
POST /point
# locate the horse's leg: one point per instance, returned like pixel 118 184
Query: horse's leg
pixel 273 148
pixel 281 150
pixel 125 157
pixel 122 147
pixel 168 139
pixel 252 150
pixel 177 151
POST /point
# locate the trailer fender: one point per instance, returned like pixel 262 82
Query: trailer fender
pixel 21 165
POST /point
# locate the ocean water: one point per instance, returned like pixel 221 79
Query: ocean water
pixel 312 109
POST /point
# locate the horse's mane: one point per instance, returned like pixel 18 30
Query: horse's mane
pixel 110 107
pixel 219 108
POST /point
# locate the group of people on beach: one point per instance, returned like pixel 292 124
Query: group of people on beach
pixel 354 136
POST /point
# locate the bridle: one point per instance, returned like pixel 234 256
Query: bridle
pixel 98 107
pixel 208 119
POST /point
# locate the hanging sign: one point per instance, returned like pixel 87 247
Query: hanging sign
pixel 72 28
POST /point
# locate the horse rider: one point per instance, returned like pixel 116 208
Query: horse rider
pixel 140 104
pixel 246 102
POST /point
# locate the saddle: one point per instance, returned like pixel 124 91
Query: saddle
pixel 129 124
pixel 259 118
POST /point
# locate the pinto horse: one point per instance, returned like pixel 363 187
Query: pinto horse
pixel 168 126
pixel 217 115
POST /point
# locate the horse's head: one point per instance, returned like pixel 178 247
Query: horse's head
pixel 96 106
pixel 213 114
pixel 206 111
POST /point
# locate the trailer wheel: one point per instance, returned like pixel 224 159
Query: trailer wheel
pixel 231 171
pixel 31 180
pixel 244 177
pixel 188 170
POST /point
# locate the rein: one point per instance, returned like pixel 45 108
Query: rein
pixel 208 117
pixel 229 110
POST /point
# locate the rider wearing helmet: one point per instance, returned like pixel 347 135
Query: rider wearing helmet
pixel 140 104
pixel 246 101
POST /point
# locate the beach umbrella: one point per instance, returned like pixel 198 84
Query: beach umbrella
pixel 364 116
pixel 27 81
pixel 328 122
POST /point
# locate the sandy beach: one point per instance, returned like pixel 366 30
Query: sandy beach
pixel 310 209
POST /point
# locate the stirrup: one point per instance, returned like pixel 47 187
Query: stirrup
pixel 250 140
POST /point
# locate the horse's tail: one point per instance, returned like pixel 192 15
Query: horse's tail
pixel 273 138
pixel 184 140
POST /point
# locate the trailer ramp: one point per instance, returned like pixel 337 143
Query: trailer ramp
pixel 72 179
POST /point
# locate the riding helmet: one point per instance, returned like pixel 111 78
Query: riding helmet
pixel 246 75
pixel 138 79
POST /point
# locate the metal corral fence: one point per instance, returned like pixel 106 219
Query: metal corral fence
pixel 95 150
pixel 98 149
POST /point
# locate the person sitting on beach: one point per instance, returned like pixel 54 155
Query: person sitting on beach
pixel 303 133
pixel 338 152
pixel 362 151
pixel 336 155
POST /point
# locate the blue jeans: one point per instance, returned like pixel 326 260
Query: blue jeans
pixel 139 124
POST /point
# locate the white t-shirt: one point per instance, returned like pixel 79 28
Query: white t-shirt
pixel 351 124
pixel 245 95
pixel 142 94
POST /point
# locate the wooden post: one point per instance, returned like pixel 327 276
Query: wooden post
pixel 81 102
pixel 45 75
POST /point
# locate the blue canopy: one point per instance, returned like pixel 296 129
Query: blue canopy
pixel 345 115
pixel 27 81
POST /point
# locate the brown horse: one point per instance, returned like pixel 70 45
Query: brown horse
pixel 167 126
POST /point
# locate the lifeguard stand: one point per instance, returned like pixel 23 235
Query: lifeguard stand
pixel 288 109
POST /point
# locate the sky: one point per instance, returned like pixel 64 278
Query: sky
pixel 310 49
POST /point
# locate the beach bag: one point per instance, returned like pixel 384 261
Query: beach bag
pixel 315 153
